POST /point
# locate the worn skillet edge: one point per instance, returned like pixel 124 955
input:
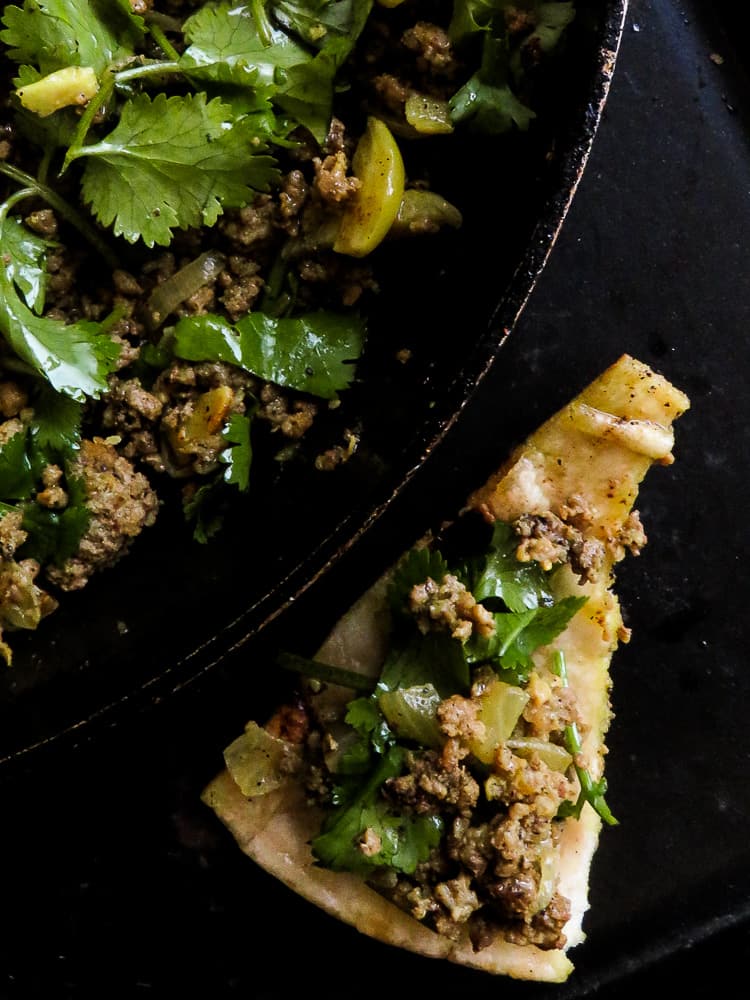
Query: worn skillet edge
pixel 258 617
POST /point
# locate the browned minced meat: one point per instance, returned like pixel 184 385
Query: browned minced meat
pixel 555 537
pixel 12 534
pixel 430 788
pixel 13 398
pixel 338 454
pixel 53 496
pixel 291 418
pixel 290 722
pixel 392 91
pixel 241 283
pixel 631 538
pixel 550 708
pixel 121 504
pixel 332 178
pixel 544 929
pixel 291 227
pixel 487 876
pixel 449 605
pixel 432 46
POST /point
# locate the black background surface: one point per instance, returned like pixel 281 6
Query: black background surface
pixel 116 881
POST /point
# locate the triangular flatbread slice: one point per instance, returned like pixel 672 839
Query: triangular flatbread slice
pixel 566 495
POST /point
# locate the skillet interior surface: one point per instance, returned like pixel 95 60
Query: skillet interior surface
pixel 171 609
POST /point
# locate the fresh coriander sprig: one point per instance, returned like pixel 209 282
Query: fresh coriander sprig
pixel 65 210
pixel 591 791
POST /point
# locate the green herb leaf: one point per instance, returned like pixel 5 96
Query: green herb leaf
pixel 405 841
pixel 53 34
pixel 202 510
pixel 17 478
pixel 518 635
pixel 75 358
pixel 365 717
pixel 54 536
pixel 591 791
pixel 174 162
pixel 419 564
pixel 56 426
pixel 228 46
pixel 28 257
pixel 312 353
pixel 521 586
pixel 224 45
pixel 435 658
pixel 239 455
pixel 52 436
pixel 486 102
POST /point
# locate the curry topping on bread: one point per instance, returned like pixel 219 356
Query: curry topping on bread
pixel 437 780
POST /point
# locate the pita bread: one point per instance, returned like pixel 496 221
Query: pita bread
pixel 598 448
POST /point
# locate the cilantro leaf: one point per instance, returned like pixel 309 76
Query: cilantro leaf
pixel 28 254
pixel 312 353
pixel 405 841
pixel 172 162
pixel 224 44
pixel 551 21
pixel 54 536
pixel 364 716
pixel 591 791
pixel 436 658
pixel 238 456
pixel 203 509
pixel 486 101
pixel 75 358
pixel 419 564
pixel 520 586
pixel 333 25
pixel 56 426
pixel 518 635
pixel 53 34
pixel 17 478
pixel 296 58
pixel 52 436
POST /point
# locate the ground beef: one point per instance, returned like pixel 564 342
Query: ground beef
pixel 550 708
pixel 333 182
pixel 448 605
pixel 430 788
pixel 555 537
pixel 552 538
pixel 291 418
pixel 121 503
pixel 544 929
pixel 433 48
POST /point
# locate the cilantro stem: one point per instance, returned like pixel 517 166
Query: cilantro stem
pixel 63 209
pixel 262 23
pixel 163 42
pixel 591 791
pixel 6 206
pixel 146 69
pixel 318 671
pixel 98 101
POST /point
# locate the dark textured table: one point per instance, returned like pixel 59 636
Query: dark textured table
pixel 116 881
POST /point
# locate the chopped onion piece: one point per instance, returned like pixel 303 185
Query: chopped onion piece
pixel 167 296
pixel 258 762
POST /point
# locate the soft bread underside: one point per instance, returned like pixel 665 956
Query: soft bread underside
pixel 599 447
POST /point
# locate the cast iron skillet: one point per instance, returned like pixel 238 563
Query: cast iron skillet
pixel 173 609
